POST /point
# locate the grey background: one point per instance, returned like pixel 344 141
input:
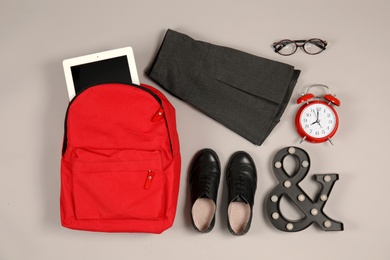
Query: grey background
pixel 35 36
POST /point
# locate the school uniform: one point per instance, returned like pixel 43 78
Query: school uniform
pixel 246 93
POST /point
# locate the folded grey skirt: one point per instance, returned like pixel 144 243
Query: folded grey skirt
pixel 246 93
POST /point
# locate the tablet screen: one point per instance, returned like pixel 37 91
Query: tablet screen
pixel 105 71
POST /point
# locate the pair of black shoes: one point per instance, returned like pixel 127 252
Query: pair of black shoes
pixel 241 179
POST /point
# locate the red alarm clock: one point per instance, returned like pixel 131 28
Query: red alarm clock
pixel 317 120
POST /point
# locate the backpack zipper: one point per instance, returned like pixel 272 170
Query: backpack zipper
pixel 149 179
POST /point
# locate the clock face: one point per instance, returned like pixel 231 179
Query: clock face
pixel 317 121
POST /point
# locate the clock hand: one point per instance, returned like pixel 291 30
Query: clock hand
pixel 318 117
pixel 318 122
pixel 315 120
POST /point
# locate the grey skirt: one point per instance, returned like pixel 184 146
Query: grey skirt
pixel 246 93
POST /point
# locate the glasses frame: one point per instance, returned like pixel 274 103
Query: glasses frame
pixel 301 44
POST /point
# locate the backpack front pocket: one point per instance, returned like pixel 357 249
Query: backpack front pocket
pixel 117 184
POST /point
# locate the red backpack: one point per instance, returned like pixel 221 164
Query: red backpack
pixel 120 167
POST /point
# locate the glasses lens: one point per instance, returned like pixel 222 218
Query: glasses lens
pixel 314 46
pixel 285 47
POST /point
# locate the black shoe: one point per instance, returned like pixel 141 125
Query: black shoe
pixel 241 180
pixel 205 173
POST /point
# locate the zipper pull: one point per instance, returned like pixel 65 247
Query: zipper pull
pixel 158 115
pixel 149 179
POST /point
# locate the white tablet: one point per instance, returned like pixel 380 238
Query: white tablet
pixel 114 66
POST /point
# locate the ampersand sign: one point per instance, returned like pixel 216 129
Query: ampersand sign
pixel 288 186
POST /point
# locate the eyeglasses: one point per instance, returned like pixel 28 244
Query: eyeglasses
pixel 289 47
